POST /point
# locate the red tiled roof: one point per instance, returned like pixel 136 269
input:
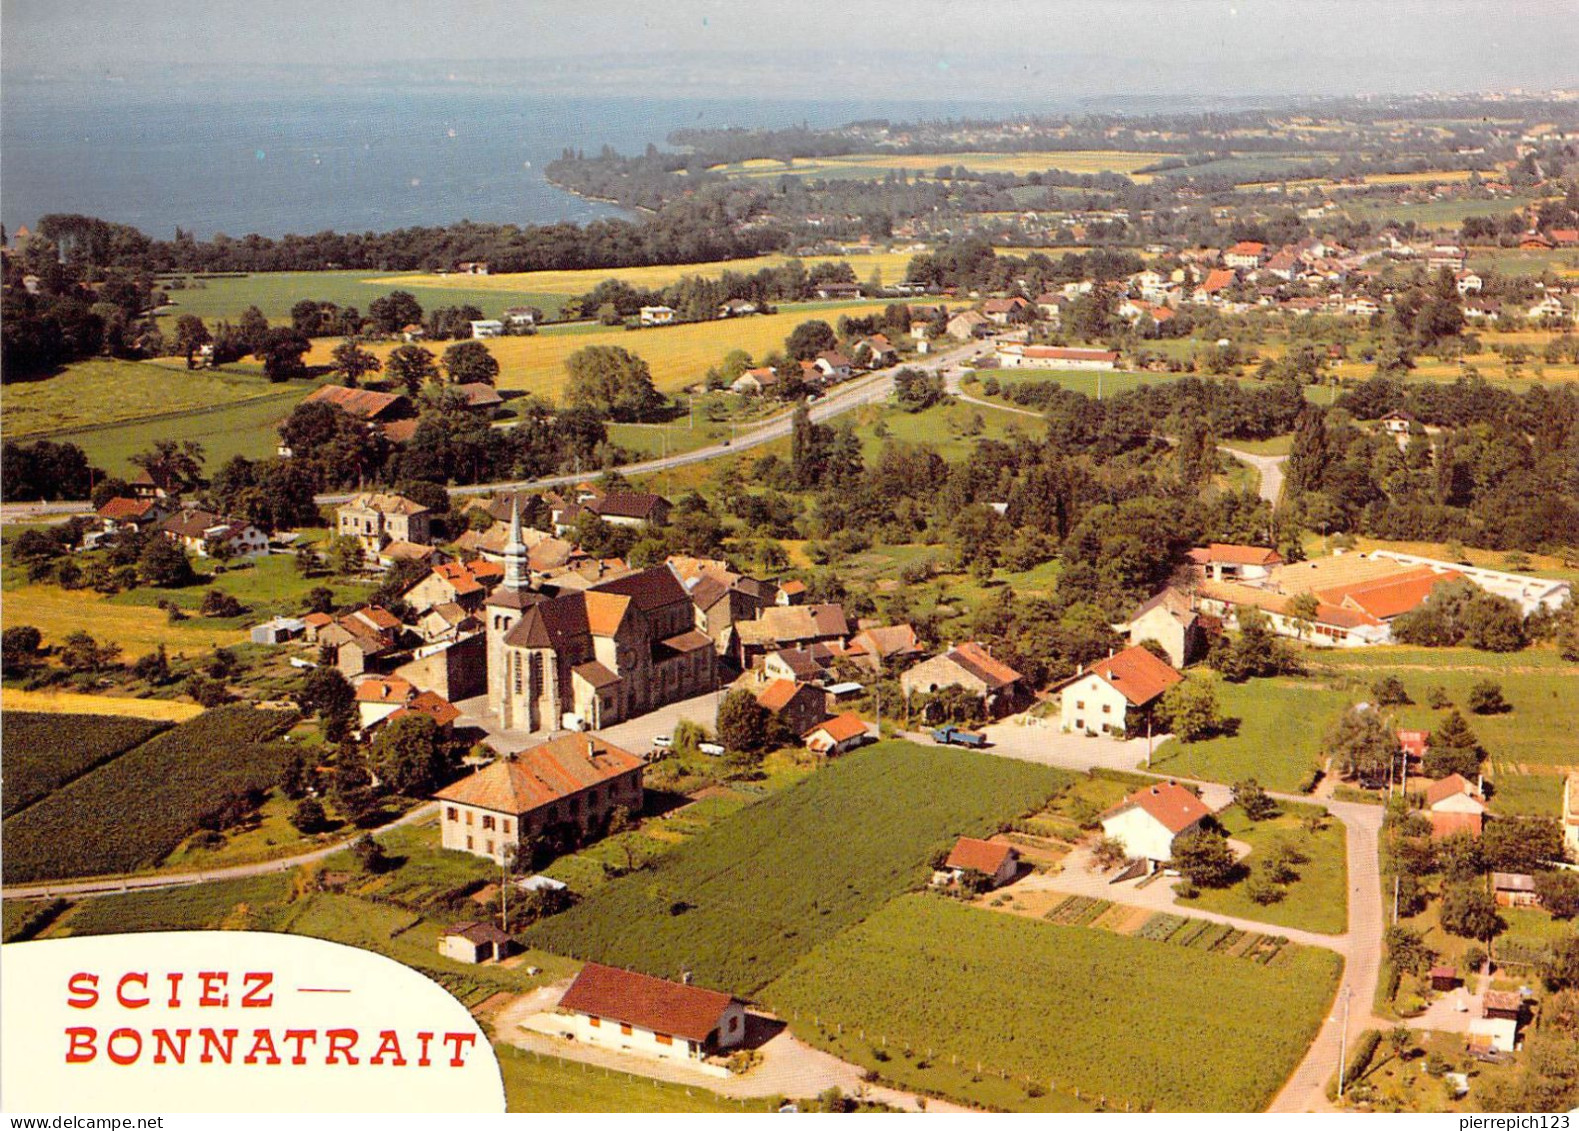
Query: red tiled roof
pixel 978 855
pixel 1168 803
pixel 840 728
pixel 1063 353
pixel 557 769
pixel 121 508
pixel 1450 786
pixel 689 1012
pixel 1218 279
pixel 385 689
pixel 433 705
pixel 778 694
pixel 1138 674
pixel 1390 596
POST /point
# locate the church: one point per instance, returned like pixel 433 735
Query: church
pixel 590 659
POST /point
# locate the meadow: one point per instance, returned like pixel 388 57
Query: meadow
pixel 738 903
pixel 1016 1013
pixel 223 298
pixel 88 394
pixel 678 355
pixel 537 1083
pixel 1317 900
pixel 138 629
pixel 42 752
pixel 130 812
pixel 872 166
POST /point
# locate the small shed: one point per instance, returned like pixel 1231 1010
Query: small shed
pixel 278 630
pixel 1514 889
pixel 474 942
pixel 1492 1035
pixel 1000 863
pixel 1505 1005
pixel 1444 978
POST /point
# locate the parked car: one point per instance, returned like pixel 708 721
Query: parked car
pixel 715 749
pixel 663 742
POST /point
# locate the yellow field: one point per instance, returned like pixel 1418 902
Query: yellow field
pixel 874 165
pixel 891 263
pixel 104 391
pixel 76 703
pixel 138 629
pixel 679 355
pixel 1417 178
pixel 1430 369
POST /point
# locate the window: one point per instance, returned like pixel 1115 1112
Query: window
pixel 595 1022
pixel 1079 723
pixel 734 1023
pixel 1107 708
pixel 625 1030
pixel 468 816
pixel 469 844
pixel 488 844
pixel 1080 704
pixel 487 821
pixel 517 665
pixel 450 815
pixel 506 826
pixel 664 1038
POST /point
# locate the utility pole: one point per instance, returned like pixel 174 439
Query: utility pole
pixel 1395 899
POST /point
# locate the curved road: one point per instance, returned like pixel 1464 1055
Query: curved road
pixel 1269 467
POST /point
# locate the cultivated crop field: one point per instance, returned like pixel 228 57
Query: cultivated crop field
pixel 224 298
pixel 872 166
pixel 138 629
pixel 938 988
pixel 131 812
pixel 43 752
pixel 81 703
pixel 678 355
pixel 740 902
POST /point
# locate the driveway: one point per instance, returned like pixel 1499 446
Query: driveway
pixel 789 1067
pixel 635 735
pixel 1270 469
pixel 1030 739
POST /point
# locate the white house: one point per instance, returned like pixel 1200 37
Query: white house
pixel 1226 561
pixel 487 328
pixel 647 1016
pixel 1148 821
pixel 837 735
pixel 474 942
pixel 1571 814
pixel 1170 620
pixel 1112 693
pixel 656 315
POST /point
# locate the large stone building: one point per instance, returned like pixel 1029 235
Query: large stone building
pixel 592 658
pixel 575 779
pixel 376 519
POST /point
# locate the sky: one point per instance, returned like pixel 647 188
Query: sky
pixel 998 49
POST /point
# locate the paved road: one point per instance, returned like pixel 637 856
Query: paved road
pixel 1269 467
pixel 109 885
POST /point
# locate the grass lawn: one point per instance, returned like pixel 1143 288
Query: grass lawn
pixel 238 428
pixel 266 585
pixel 547 1084
pixel 138 629
pixel 1316 901
pixel 1119 381
pixel 88 394
pixel 1017 1013
pixel 952 430
pixel 678 355
pixel 266 836
pixel 1282 723
pixel 1276 446
pixel 1530 747
pixel 740 902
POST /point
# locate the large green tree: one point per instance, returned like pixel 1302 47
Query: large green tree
pixel 612 381
pixel 470 363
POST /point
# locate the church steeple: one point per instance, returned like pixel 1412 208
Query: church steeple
pixel 516 576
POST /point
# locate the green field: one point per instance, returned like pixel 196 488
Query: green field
pixel 1283 722
pixel 42 752
pixel 874 166
pixel 739 903
pixel 227 904
pixel 939 989
pixel 131 812
pixel 1316 901
pixel 239 428
pixel 92 394
pixel 274 293
pixel 547 1084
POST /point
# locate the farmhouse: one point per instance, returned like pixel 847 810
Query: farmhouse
pixel 574 780
pixel 754 381
pixel 1000 863
pixel 1148 820
pixel 1169 619
pixel 630 508
pixel 1331 626
pixel 1111 695
pixel 637 1013
pixel 967 324
pixel 1245 255
pixel 202 531
pixel 838 735
pixel 1454 804
pixel 375 519
pixel 799 706
pixel 378 410
pixel 971 667
pixel 277 630
pixel 486 327
pixel 461 583
pixel 1015 356
pixel 874 647
pixel 121 513
pixel 1002 311
pixel 656 315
